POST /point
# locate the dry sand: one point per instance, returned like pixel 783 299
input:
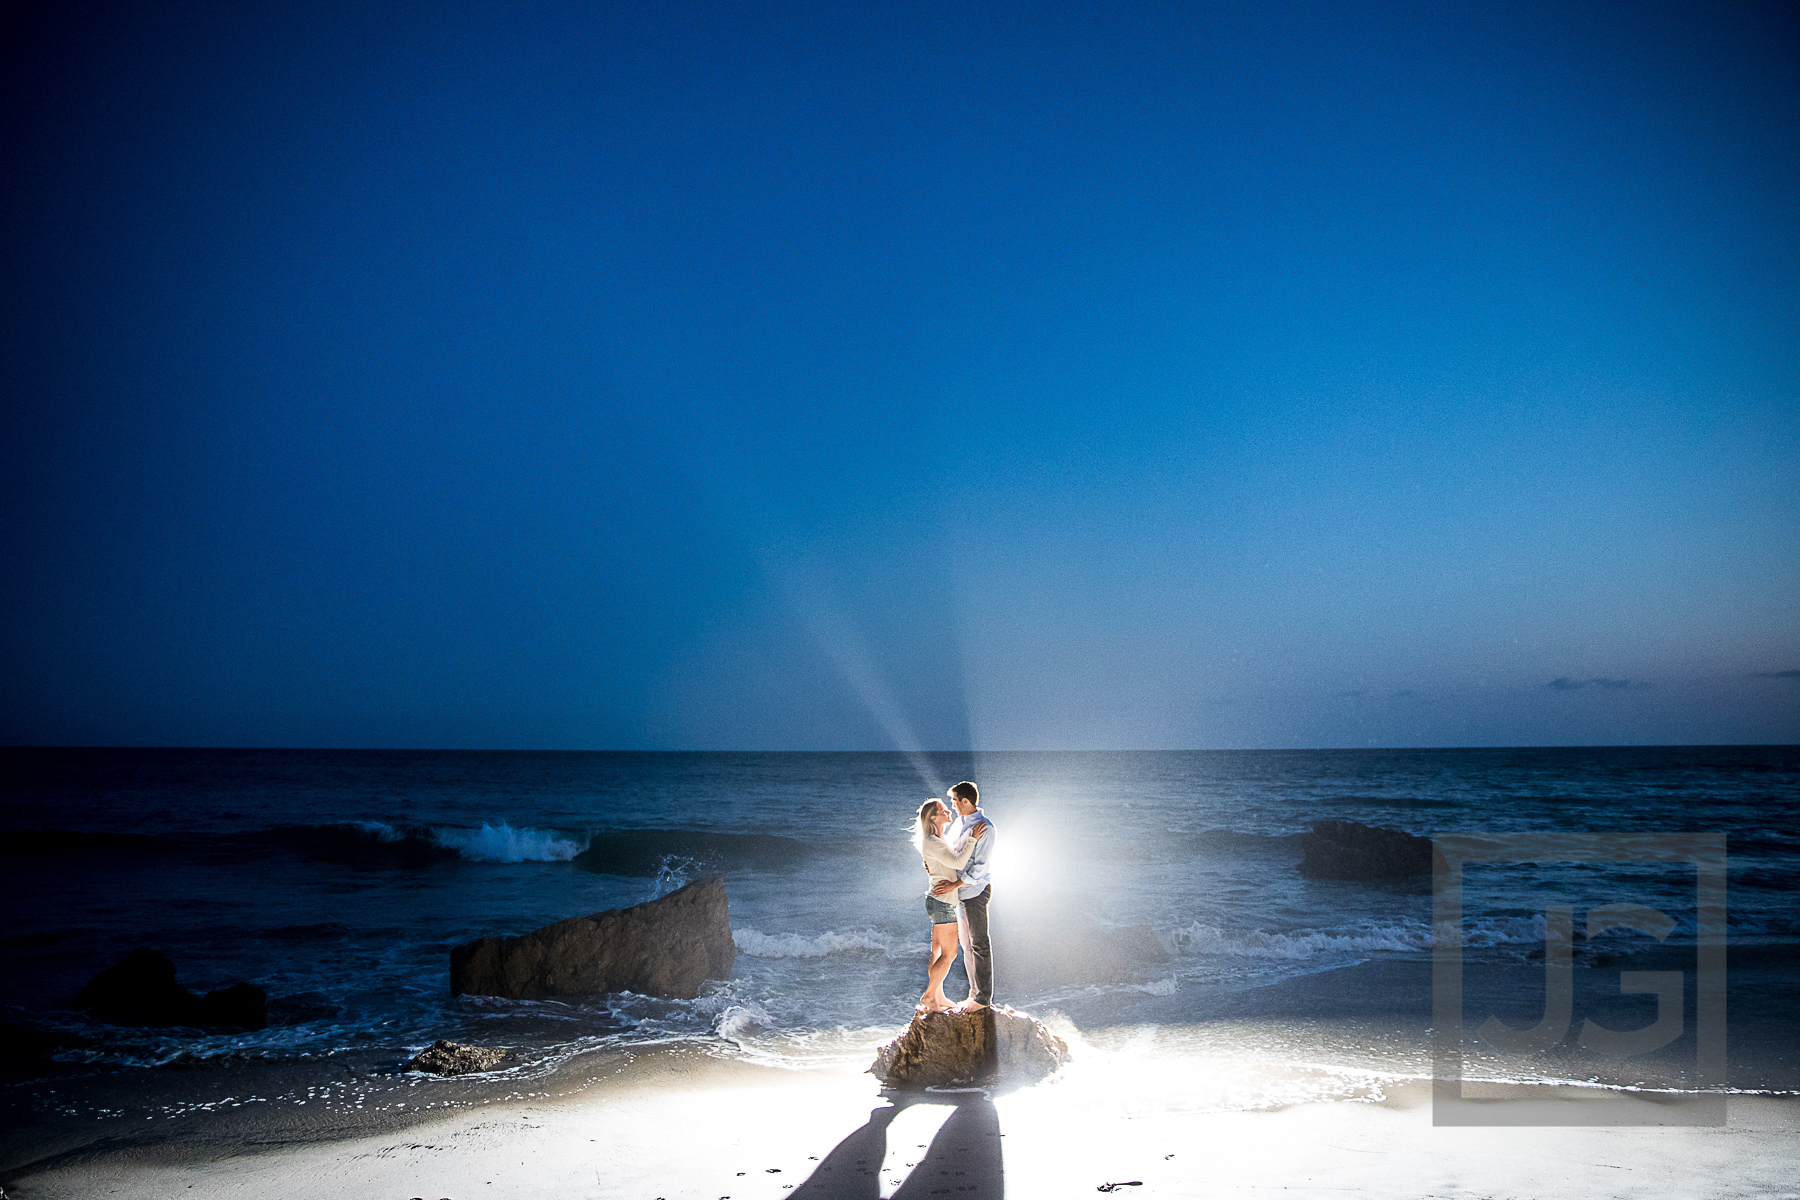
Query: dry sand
pixel 685 1125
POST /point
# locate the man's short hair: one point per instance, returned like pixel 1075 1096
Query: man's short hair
pixel 966 791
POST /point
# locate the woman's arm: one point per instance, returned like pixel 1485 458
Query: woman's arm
pixel 953 860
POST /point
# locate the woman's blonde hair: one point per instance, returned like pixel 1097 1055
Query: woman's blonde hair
pixel 922 827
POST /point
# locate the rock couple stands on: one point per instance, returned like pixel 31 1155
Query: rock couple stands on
pixel 1349 850
pixel 945 1049
pixel 667 947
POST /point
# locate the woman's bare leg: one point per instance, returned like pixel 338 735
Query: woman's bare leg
pixel 943 953
pixel 928 1000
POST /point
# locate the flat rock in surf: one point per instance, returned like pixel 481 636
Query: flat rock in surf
pixel 947 1049
pixel 1351 850
pixel 456 1058
pixel 667 947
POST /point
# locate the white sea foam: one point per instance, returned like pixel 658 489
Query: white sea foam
pixel 502 843
pixel 742 1020
pixel 793 945
pixel 381 831
pixel 1406 936
pixel 1503 931
pixel 673 871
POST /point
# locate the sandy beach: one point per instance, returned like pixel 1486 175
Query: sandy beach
pixel 1236 1027
pixel 683 1123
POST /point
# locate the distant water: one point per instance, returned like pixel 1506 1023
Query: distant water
pixel 339 880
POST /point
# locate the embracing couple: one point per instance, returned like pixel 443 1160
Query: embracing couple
pixel 957 847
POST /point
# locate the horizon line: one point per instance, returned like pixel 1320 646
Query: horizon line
pixel 1026 750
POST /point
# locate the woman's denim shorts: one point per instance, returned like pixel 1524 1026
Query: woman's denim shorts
pixel 939 912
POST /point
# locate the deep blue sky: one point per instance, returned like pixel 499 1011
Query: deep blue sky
pixel 851 376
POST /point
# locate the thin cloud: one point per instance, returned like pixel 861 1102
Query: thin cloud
pixel 1563 683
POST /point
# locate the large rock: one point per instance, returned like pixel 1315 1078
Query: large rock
pixel 1348 850
pixel 141 990
pixel 947 1049
pixel 456 1058
pixel 667 947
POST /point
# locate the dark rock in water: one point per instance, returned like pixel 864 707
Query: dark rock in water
pixel 138 990
pixel 456 1058
pixel 667 947
pixel 240 1006
pixel 992 1045
pixel 1349 850
pixel 141 990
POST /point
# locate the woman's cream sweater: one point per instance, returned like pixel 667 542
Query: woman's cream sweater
pixel 940 861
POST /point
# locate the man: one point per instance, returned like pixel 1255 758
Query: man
pixel 974 887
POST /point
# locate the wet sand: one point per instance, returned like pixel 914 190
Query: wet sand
pixel 679 1123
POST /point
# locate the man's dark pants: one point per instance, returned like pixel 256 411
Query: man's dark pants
pixel 978 953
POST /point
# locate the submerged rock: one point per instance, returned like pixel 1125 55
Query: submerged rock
pixel 667 947
pixel 141 990
pixel 992 1045
pixel 456 1058
pixel 1350 850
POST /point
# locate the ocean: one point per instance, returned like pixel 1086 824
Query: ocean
pixel 1148 905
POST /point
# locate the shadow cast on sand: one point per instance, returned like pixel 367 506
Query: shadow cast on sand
pixel 963 1161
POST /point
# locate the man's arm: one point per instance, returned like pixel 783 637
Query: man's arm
pixel 945 886
pixel 975 873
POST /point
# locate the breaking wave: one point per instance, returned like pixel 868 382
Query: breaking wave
pixel 793 945
pixel 641 853
pixel 377 843
pixel 503 843
pixel 1406 936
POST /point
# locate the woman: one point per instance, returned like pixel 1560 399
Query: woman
pixel 942 861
